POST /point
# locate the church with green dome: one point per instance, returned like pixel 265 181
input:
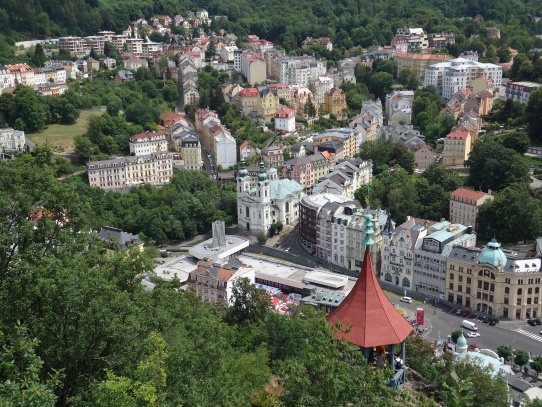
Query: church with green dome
pixel 266 200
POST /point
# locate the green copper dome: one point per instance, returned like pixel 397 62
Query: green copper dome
pixel 462 342
pixel 243 172
pixel 262 176
pixel 492 254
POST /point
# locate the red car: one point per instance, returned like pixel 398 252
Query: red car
pixel 465 313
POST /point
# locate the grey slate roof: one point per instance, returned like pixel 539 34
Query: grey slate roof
pixel 117 236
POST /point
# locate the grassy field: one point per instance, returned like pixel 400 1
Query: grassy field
pixel 61 136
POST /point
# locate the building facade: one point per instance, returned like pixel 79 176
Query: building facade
pixel 521 91
pixel 11 139
pixel 465 204
pixel 155 169
pixel 493 282
pixel 149 142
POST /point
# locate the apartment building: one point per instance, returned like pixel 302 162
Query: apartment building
pixel 285 119
pixel 417 63
pixel 521 91
pixel 457 147
pixel 149 142
pixel 348 137
pixel 306 170
pixel 465 205
pixel 155 169
pixel 7 79
pixel 415 38
pixel 322 85
pixel 452 76
pixel 23 74
pixel 346 177
pixel 369 121
pixel 335 102
pixel 431 254
pixel 190 148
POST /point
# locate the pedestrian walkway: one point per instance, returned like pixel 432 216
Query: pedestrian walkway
pixel 530 335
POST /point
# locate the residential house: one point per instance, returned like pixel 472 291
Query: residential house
pixel 306 170
pixel 398 106
pixel 272 200
pixel 227 53
pixel 246 150
pixel 122 172
pixel 300 100
pixel 457 147
pixel 416 38
pixel 298 150
pixel 108 63
pixel 334 147
pixel 191 95
pixel 521 91
pixel 322 85
pixel 369 121
pixel 11 139
pixel 117 239
pixel 51 89
pixel 23 74
pixel 253 67
pixel 7 79
pixel 248 101
pixel 268 103
pixel 149 142
pixel 348 137
pixel 347 176
pixel 169 118
pixel 335 102
pixel 470 55
pixel 134 63
pixel 285 119
pixel 324 41
pixel 123 76
pixel 214 284
pixel 190 149
pixel 465 205
pixel 93 65
pixel 283 91
pixel 398 247
pixel 273 156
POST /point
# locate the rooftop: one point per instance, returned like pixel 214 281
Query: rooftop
pixel 468 194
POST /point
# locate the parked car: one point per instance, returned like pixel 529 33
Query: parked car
pixel 531 322
pixel 288 249
pixel 458 312
pixel 538 321
pixel 465 313
pixel 473 334
pixel 406 299
pixel 485 320
pixel 493 321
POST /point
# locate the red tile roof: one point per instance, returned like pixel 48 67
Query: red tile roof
pixel 372 318
pixel 286 111
pixel 458 134
pixel 246 143
pixel 248 92
pixel 468 194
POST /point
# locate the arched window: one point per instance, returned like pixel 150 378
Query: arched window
pixel 287 207
pixel 520 291
pixel 388 277
pixel 247 212
pixel 406 282
pixel 451 276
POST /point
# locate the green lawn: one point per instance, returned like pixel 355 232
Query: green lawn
pixel 61 136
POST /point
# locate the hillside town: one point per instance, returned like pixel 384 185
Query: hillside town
pixel 321 166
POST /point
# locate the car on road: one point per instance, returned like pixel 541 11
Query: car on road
pixel 276 245
pixel 288 249
pixel 465 313
pixel 537 321
pixel 406 299
pixel 473 334
pixel 458 312
pixel 531 322
pixel 493 321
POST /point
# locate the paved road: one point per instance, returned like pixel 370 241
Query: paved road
pixel 441 322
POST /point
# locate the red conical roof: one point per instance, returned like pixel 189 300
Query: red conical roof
pixel 372 318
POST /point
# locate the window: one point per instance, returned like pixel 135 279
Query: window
pixel 520 291
pixel 529 290
pixel 451 276
pixel 451 286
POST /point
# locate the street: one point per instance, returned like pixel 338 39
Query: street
pixel 441 322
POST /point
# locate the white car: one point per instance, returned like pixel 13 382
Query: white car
pixel 406 299
pixel 473 334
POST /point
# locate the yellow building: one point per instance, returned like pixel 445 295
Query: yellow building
pixel 268 103
pixel 489 281
pixel 417 62
pixel 335 102
pixel 348 137
pixel 457 147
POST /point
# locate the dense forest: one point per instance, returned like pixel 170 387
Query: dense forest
pixel 347 23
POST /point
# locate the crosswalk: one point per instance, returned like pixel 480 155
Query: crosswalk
pixel 531 335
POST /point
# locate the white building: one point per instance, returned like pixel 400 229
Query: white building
pixel 521 91
pixel 225 149
pixel 285 119
pixel 11 139
pixel 227 53
pixel 155 169
pixel 369 121
pixel 7 79
pixel 431 252
pixel 456 74
pixel 398 251
pixel 398 106
pixel 272 200
pixel 322 85
pixel 149 142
